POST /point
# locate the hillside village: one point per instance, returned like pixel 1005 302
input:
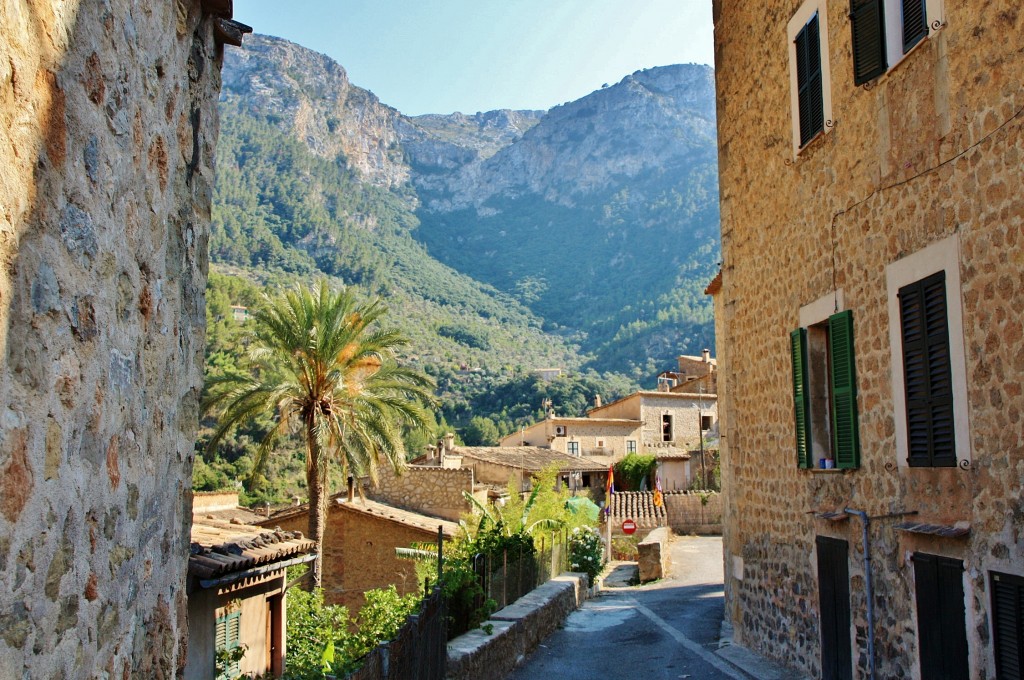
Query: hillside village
pixel 854 437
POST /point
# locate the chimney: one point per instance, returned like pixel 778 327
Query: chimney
pixel 707 356
pixel 351 488
pixel 597 401
pixel 449 442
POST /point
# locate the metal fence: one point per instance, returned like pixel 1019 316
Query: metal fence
pixel 507 576
pixel 419 650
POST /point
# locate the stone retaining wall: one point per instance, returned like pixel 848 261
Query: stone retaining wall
pixel 654 558
pixel 694 513
pixel 516 630
pixel 422 488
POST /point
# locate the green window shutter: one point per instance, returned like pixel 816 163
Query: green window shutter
pixel 927 375
pixel 867 28
pixel 845 436
pixel 809 83
pixel 801 397
pixel 228 635
pixel 915 23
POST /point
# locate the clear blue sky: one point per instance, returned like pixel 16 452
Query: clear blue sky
pixel 440 56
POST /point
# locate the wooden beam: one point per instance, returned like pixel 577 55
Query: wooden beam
pixel 228 32
pixel 221 8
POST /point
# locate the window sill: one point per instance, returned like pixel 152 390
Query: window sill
pixel 831 471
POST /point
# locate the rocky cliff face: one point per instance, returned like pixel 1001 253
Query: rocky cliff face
pixel 309 94
pixel 658 118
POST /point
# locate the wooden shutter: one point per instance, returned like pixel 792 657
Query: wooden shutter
pixel 941 622
pixel 867 27
pixel 845 434
pixel 228 635
pixel 1008 625
pixel 801 397
pixel 808 78
pixel 834 608
pixel 915 23
pixel 926 372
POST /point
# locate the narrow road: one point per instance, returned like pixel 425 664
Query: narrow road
pixel 665 630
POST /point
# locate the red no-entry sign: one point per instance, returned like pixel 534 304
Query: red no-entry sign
pixel 628 527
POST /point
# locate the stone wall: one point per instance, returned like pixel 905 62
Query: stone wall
pixel 694 513
pixel 929 151
pixel 108 112
pixel 422 488
pixel 359 553
pixel 653 556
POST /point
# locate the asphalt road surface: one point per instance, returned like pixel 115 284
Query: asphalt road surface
pixel 665 630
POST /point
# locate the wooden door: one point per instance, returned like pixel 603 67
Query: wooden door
pixel 834 607
pixel 941 626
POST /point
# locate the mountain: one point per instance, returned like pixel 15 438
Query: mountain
pixel 583 235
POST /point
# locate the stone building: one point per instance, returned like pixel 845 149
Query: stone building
pixel 359 546
pixel 108 115
pixel 871 308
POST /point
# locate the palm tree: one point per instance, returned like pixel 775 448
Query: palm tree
pixel 321 365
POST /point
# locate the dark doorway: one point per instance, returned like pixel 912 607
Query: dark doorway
pixel 941 629
pixel 834 604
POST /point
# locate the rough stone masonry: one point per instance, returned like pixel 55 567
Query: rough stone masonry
pixel 108 120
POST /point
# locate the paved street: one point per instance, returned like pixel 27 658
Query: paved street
pixel 665 630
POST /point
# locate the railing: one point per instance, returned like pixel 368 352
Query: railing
pixel 418 652
pixel 505 577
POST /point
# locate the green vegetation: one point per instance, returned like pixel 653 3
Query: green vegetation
pixel 633 470
pixel 586 552
pixel 320 364
pixel 325 639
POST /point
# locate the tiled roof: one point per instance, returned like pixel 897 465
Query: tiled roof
pixel 406 517
pixel 221 548
pixel 530 458
pixel 637 506
pixel 669 453
pixel 715 285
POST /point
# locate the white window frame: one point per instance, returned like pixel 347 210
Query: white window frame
pixel 796 24
pixel 631 446
pixel 572 448
pixel 894 53
pixel 944 256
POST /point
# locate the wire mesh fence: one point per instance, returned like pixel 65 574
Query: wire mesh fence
pixel 508 575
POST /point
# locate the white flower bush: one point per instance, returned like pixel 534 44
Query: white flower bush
pixel 586 552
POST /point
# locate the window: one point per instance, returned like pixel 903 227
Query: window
pixel 705 423
pixel 228 634
pixel 600 443
pixel 884 31
pixel 929 377
pixel 573 448
pixel 666 428
pixel 810 86
pixel 825 392
pixel 1008 625
pixel 630 446
pixel 941 622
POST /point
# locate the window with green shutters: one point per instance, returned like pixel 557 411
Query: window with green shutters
pixel 228 637
pixel 825 393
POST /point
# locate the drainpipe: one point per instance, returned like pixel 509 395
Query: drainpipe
pixel 869 591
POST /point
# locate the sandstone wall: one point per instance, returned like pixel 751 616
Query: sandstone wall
pixel 694 513
pixel 928 151
pixel 108 114
pixel 422 488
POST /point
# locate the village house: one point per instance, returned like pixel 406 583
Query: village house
pixel 359 545
pixel 869 329
pixel 237 590
pixel 670 425
pixel 694 374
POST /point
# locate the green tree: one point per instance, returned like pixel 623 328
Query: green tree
pixel 320 363
pixel 481 431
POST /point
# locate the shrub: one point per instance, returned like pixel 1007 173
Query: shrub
pixel 586 553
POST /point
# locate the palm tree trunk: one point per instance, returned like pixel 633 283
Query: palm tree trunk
pixel 315 483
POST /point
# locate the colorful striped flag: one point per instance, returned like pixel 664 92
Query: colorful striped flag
pixel 658 497
pixel 609 490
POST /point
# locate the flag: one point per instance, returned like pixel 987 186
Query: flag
pixel 609 490
pixel 658 497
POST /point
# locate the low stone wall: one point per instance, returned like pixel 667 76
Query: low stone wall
pixel 516 629
pixel 694 512
pixel 654 559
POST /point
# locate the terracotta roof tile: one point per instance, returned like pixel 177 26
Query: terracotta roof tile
pixel 219 548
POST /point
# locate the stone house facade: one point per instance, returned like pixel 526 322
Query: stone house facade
pixel 108 112
pixel 870 311
pixel 359 546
